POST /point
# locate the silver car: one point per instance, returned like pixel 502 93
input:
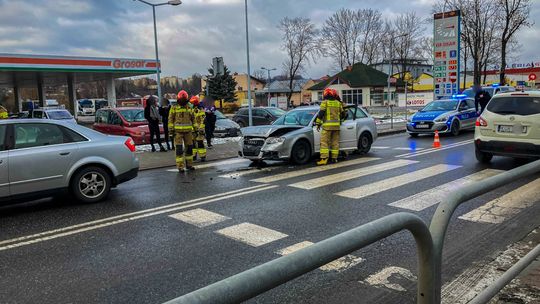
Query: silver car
pixel 39 158
pixel 293 136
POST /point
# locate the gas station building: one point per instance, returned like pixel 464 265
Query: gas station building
pixel 39 71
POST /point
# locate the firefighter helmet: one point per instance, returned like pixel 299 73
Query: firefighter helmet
pixel 329 93
pixel 182 95
pixel 194 101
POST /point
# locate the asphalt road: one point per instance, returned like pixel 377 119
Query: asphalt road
pixel 165 234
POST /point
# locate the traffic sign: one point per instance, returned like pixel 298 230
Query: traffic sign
pixel 532 77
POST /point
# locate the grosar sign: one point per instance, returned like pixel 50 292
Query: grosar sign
pixel 128 64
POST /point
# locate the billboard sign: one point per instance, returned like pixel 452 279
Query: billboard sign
pixel 420 99
pixel 446 47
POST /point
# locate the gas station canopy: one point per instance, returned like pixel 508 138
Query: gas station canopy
pixel 23 71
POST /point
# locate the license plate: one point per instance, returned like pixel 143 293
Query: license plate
pixel 506 129
pixel 422 126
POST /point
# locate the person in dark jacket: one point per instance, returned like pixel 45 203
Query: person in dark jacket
pixel 210 120
pixel 481 99
pixel 164 113
pixel 151 114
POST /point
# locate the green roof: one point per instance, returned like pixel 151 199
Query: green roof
pixel 361 75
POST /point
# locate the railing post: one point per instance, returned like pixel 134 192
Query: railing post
pixel 443 214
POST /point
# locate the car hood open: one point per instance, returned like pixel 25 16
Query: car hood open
pixel 268 131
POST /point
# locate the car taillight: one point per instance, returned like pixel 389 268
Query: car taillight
pixel 480 122
pixel 130 144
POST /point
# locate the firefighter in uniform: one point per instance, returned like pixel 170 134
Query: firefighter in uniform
pixel 198 126
pixel 181 121
pixel 329 119
pixel 3 113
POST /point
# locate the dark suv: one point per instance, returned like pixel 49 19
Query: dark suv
pixel 261 116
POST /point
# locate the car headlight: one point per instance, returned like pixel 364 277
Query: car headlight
pixel 220 129
pixel 275 140
pixel 442 119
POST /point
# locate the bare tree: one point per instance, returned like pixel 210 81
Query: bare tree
pixel 373 31
pixel 515 16
pixel 409 29
pixel 300 42
pixel 260 74
pixel 339 37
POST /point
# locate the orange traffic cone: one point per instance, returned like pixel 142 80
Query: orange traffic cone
pixel 436 140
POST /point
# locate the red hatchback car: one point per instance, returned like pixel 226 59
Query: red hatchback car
pixel 125 122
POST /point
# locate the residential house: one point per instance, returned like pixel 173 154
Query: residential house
pixel 279 90
pixel 358 84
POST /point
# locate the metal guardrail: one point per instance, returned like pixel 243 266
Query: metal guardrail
pixel 257 280
pixel 443 214
pixel 262 278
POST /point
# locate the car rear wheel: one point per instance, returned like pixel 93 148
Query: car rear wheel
pixel 483 157
pixel 301 152
pixel 454 129
pixel 91 185
pixel 364 143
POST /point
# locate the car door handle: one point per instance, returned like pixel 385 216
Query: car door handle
pixel 350 128
pixel 64 153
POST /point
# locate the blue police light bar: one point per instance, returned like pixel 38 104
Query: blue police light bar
pixel 458 96
pixel 495 85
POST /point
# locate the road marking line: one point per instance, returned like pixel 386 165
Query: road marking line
pixel 251 234
pixel 348 175
pixel 128 217
pixel 431 150
pixel 380 279
pixel 287 175
pixel 247 172
pixel 199 217
pixel 394 182
pixel 409 149
pixel 340 264
pixel 499 209
pixel 434 196
pixel 231 161
pixel 380 147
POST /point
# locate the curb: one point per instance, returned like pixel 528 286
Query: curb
pixel 393 132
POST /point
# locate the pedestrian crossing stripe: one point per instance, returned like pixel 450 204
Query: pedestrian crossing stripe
pixel 340 264
pixel 499 209
pixel 199 217
pixel 394 182
pixel 297 173
pixel 251 234
pixel 428 198
pixel 348 175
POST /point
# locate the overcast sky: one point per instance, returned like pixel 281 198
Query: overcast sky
pixel 190 34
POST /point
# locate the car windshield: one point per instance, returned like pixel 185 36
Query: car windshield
pixel 133 115
pixel 220 115
pixel 86 103
pixel 276 112
pixel 441 105
pixel 515 105
pixel 59 115
pixel 296 118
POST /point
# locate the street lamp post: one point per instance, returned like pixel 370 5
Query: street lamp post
pixel 248 68
pixel 268 70
pixel 390 71
pixel 171 2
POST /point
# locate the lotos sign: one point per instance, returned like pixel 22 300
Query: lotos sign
pixel 415 99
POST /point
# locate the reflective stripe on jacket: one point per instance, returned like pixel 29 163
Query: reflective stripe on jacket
pixel 199 119
pixel 330 115
pixel 181 119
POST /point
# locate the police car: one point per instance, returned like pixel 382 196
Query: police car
pixel 444 115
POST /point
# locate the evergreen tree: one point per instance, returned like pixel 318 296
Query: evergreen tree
pixel 221 87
